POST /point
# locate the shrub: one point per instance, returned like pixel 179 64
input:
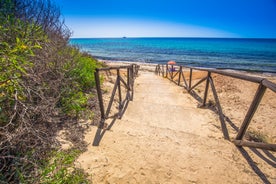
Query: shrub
pixel 43 81
pixel 60 169
pixel 84 72
pixel 77 94
pixel 16 47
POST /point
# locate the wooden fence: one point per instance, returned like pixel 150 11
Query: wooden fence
pixel 131 73
pixel 171 71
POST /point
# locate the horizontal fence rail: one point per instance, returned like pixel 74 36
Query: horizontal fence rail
pixel 132 72
pixel 171 71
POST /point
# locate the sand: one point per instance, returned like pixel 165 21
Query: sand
pixel 164 137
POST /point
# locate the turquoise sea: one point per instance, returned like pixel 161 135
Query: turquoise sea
pixel 257 55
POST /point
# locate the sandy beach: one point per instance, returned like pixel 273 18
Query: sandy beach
pixel 164 137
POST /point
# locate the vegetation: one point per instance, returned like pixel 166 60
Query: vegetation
pixel 45 84
pixel 256 136
pixel 60 169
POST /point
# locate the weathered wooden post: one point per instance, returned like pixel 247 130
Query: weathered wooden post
pixel 221 116
pixel 132 81
pixel 136 69
pixel 128 84
pixel 128 77
pixel 251 111
pixel 159 69
pixel 167 68
pixel 206 89
pixel 119 89
pixel 180 73
pixel 190 79
pixel 100 97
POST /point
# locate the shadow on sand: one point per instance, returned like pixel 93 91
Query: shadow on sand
pixel 265 155
pixel 253 165
pixel 101 131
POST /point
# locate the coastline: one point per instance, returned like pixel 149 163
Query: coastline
pixel 252 55
pixel 151 67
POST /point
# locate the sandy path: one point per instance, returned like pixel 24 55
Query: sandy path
pixel 164 138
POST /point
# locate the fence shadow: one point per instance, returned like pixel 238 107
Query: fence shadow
pixel 266 156
pixel 215 110
pixel 253 166
pixel 263 152
pixel 101 132
pixel 263 84
pixel 131 73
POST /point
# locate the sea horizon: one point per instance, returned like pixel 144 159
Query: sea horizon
pixel 246 54
pixel 269 38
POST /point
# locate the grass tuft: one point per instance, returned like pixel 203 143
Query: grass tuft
pixel 256 136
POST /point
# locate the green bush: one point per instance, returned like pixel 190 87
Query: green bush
pixel 77 94
pixel 60 169
pixel 17 46
pixel 84 72
pixel 43 82
pixel 74 101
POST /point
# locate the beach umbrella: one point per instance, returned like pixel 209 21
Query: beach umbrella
pixel 171 62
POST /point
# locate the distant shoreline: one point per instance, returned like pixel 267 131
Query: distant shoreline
pixel 151 66
pixel 173 38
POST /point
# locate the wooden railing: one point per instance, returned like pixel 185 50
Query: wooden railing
pixel 171 71
pixel 131 73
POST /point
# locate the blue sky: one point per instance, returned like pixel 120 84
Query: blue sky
pixel 170 18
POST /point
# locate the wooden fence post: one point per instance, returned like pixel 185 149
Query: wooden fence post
pixel 119 89
pixel 221 116
pixel 167 70
pixel 156 69
pixel 251 111
pixel 128 77
pixel 132 81
pixel 206 89
pixel 159 69
pixel 190 79
pixel 263 85
pixel 100 97
pixel 180 72
pixel 136 69
pixel 128 83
